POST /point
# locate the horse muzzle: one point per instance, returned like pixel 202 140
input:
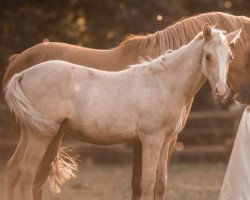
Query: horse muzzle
pixel 221 93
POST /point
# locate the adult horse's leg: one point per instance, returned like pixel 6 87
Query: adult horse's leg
pixel 34 152
pixel 137 167
pixel 12 172
pixel 151 147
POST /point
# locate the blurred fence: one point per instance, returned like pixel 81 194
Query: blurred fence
pixel 208 136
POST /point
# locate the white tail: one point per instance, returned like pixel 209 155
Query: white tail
pixel 22 108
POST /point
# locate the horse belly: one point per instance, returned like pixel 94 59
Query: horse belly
pixel 100 134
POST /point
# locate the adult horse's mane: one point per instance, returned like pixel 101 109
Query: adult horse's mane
pixel 155 65
pixel 179 34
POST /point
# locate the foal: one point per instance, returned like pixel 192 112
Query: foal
pixel 145 102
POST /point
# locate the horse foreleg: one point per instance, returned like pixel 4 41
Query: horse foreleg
pixel 151 147
pixel 12 172
pixel 137 167
pixel 34 152
pixel 162 169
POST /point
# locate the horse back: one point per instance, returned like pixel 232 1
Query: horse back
pixel 100 59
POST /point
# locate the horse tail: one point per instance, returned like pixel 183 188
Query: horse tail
pixel 57 165
pixel 22 108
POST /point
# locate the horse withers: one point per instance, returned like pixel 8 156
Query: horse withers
pixel 144 102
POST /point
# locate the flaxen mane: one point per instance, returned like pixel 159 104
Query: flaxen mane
pixel 179 34
pixel 151 66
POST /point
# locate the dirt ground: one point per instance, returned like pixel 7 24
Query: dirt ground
pixel 112 182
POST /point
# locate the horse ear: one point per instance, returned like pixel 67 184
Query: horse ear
pixel 233 37
pixel 207 32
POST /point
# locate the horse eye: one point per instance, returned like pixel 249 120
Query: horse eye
pixel 208 57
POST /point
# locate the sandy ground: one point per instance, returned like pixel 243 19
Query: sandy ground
pixel 112 182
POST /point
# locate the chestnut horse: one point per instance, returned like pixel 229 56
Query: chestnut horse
pixel 145 102
pixel 129 52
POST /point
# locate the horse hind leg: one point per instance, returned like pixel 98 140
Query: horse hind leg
pixel 46 165
pixel 12 172
pixel 34 152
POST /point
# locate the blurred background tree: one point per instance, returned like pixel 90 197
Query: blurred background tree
pixel 98 24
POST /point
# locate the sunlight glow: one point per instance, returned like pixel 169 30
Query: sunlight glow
pixel 228 4
pixel 179 146
pixel 159 17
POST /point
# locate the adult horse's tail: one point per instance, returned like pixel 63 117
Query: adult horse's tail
pixel 57 164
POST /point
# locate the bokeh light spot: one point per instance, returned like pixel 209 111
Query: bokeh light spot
pixel 179 146
pixel 228 4
pixel 159 17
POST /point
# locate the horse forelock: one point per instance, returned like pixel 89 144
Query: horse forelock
pixel 178 34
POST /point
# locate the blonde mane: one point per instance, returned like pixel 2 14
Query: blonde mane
pixel 152 65
pixel 178 34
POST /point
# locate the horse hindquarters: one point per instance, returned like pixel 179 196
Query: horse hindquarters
pixel 39 130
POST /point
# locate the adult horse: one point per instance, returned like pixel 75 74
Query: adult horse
pixel 129 52
pixel 144 102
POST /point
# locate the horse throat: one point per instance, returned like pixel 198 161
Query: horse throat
pixel 189 72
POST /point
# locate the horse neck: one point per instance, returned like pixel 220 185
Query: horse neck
pixel 187 75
